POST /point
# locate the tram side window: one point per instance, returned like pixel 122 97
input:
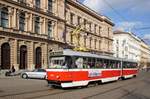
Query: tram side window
pixel 99 63
pixel 68 62
pixel 134 65
pixel 118 64
pixel 79 62
pixel 112 64
pixel 124 64
pixel 85 63
pixel 56 62
pixel 106 63
pixel 128 65
pixel 91 62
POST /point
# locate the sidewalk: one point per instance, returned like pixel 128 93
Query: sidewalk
pixel 2 75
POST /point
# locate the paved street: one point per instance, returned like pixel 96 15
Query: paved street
pixel 17 88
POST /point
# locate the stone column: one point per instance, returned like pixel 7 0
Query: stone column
pixel 44 55
pixel 30 23
pixel 45 5
pixel 16 65
pixel 31 56
pixel 14 18
pixel 17 18
pixel 10 14
pixel 55 7
pixel 27 17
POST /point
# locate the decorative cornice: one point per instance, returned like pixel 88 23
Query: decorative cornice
pixel 89 11
pixel 48 14
pixel 27 37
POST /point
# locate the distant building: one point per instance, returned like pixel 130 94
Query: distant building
pixel 30 29
pixel 129 46
pixel 145 55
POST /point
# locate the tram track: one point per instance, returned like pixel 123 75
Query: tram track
pixel 61 91
pixel 29 92
pixel 116 88
pixel 51 91
pixel 35 94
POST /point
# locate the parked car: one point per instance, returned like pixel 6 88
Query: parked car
pixel 36 73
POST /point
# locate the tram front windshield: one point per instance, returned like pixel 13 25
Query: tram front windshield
pixel 60 62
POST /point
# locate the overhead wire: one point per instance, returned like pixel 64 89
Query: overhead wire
pixel 122 17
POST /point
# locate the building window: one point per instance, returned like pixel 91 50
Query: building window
pixel 85 41
pixel 71 37
pixel 95 43
pixel 71 18
pixel 108 31
pixel 49 29
pixel 95 27
pixel 85 24
pixel 108 46
pixel 123 53
pixel 37 24
pixel 4 17
pixel 100 30
pixel 117 55
pixel 22 21
pixel 37 3
pixel 90 42
pixel 50 5
pixel 99 44
pixel 79 19
pixel 90 27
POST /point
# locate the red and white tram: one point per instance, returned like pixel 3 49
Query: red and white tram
pixel 71 68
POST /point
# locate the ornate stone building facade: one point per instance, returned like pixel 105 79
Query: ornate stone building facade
pixel 30 29
pixel 129 46
pixel 145 55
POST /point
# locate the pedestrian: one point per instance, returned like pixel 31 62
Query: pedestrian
pixel 13 69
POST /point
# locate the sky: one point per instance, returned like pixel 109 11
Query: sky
pixel 128 15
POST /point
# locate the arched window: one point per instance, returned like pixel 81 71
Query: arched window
pixel 38 58
pixel 23 57
pixel 4 17
pixel 5 56
pixel 22 21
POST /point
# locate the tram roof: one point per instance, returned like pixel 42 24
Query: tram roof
pixel 69 52
pixel 129 60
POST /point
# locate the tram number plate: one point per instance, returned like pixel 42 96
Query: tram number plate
pixel 94 73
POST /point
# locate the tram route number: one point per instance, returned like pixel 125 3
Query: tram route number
pixel 94 73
